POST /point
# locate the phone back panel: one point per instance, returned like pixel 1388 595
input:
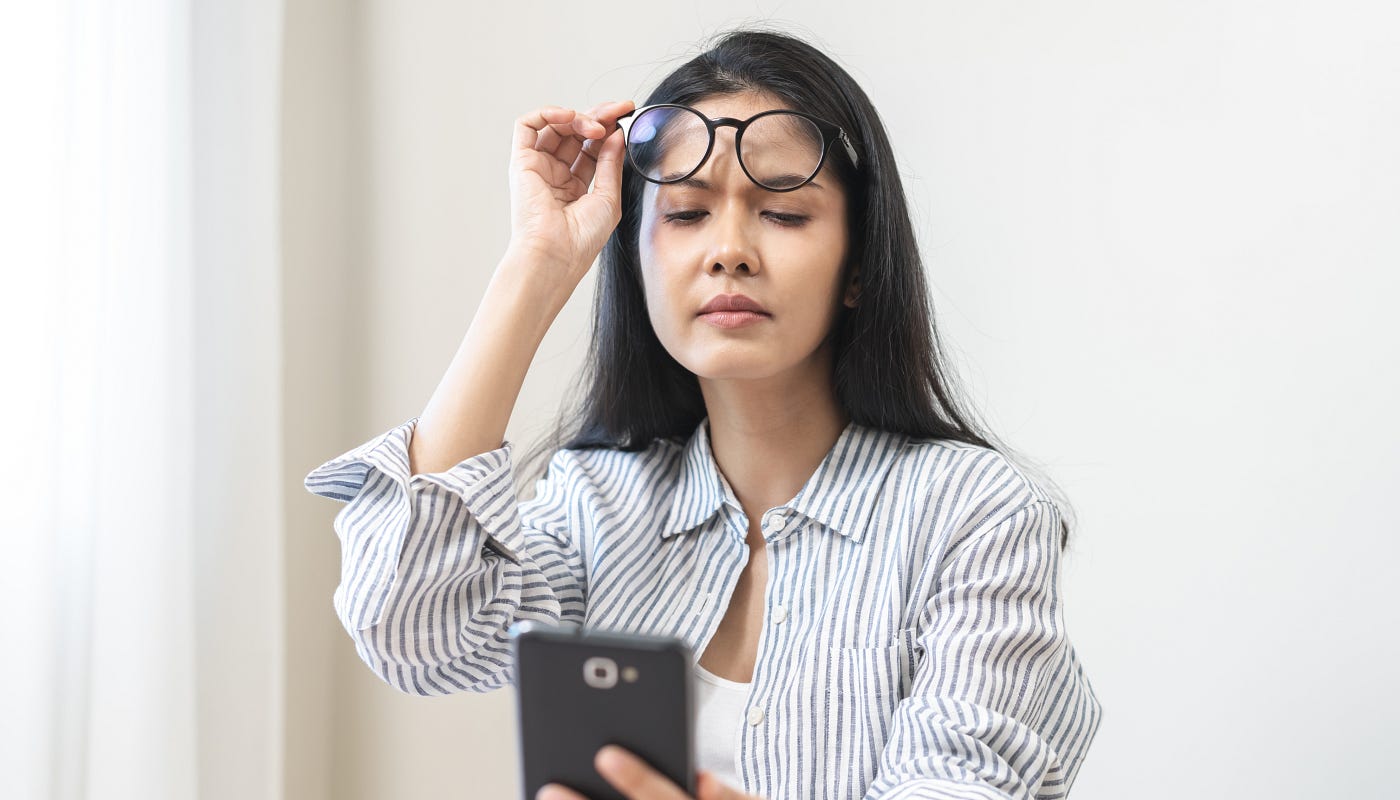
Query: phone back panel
pixel 578 690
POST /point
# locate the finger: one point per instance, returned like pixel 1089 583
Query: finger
pixel 569 148
pixel 588 125
pixel 585 166
pixel 548 140
pixel 565 141
pixel 608 170
pixel 550 126
pixel 607 113
pixel 529 125
pixel 633 777
pixel 578 129
pixel 586 161
pixel 555 791
pixel 709 787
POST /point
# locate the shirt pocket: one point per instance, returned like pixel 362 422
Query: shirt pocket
pixel 880 670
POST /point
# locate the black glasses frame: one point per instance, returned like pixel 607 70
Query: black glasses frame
pixel 830 131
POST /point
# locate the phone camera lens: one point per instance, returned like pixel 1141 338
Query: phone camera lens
pixel 600 672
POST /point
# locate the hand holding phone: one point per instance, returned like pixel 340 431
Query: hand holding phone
pixel 581 690
pixel 638 781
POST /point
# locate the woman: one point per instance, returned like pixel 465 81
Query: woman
pixel 768 462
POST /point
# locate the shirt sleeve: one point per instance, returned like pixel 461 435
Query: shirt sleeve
pixel 436 567
pixel 999 707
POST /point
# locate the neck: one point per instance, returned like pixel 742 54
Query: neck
pixel 769 435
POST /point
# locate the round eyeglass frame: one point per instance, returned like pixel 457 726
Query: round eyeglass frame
pixel 830 131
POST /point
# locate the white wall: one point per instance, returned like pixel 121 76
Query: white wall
pixel 323 368
pixel 1164 242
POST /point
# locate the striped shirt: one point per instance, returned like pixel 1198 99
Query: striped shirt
pixel 914 641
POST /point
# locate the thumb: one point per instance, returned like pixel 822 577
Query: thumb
pixel 607 178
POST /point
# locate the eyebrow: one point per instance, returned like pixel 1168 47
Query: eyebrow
pixel 705 186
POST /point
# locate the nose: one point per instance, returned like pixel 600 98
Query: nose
pixel 731 250
pixel 724 149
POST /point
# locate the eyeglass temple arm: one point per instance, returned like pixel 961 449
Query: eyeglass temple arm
pixel 850 149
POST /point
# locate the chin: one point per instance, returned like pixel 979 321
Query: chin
pixel 732 364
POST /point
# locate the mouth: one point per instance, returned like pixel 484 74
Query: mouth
pixel 733 319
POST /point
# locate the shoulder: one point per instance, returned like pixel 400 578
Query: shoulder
pixel 973 467
pixel 965 486
pixel 953 493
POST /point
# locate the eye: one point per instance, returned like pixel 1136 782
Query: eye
pixel 785 220
pixel 683 217
pixel 789 220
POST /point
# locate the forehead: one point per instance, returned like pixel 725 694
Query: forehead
pixel 739 106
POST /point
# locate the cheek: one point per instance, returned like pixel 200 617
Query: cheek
pixel 815 304
pixel 653 272
pixel 660 294
pixel 810 323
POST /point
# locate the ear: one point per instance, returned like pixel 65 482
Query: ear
pixel 852 298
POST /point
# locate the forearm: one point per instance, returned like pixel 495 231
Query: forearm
pixel 468 411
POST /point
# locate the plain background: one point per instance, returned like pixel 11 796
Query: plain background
pixel 1163 240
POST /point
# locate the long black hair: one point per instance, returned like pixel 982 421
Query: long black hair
pixel 890 369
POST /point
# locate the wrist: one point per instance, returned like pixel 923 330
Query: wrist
pixel 522 294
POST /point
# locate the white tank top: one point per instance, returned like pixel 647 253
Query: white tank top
pixel 719 705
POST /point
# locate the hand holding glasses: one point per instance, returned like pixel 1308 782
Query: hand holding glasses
pixel 556 222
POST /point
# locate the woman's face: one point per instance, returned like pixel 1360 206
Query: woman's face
pixel 730 236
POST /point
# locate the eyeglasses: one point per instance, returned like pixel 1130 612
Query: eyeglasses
pixel 779 150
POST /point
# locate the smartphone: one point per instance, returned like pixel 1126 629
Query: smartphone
pixel 580 689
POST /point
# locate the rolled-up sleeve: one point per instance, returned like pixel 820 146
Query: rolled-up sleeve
pixel 436 567
pixel 999 706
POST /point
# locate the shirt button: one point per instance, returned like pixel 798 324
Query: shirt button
pixel 779 614
pixel 779 522
pixel 755 715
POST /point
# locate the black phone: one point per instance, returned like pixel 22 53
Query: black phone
pixel 579 689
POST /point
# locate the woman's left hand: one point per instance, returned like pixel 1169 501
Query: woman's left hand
pixel 636 780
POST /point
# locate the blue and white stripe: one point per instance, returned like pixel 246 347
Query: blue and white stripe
pixel 920 650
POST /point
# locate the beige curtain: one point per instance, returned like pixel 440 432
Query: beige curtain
pixel 139 319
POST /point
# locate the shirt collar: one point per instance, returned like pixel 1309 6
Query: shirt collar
pixel 841 494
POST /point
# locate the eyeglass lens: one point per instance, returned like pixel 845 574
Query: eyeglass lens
pixel 779 151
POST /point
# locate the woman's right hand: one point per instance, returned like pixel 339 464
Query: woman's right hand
pixel 556 222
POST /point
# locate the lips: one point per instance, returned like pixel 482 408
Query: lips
pixel 733 302
pixel 730 311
